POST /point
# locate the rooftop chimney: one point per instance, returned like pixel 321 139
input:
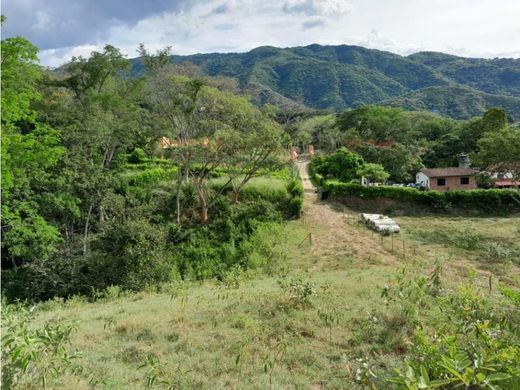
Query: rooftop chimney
pixel 463 161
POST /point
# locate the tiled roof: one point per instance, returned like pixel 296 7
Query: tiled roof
pixel 507 182
pixel 446 172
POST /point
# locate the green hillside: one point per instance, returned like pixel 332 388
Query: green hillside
pixel 496 76
pixel 338 77
pixel 455 101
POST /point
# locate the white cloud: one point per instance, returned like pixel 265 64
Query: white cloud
pixel 43 21
pixel 336 8
pixel 57 57
pixel 476 28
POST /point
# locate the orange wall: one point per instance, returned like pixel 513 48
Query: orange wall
pixel 453 183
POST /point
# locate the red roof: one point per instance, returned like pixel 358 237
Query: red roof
pixel 446 172
pixel 506 182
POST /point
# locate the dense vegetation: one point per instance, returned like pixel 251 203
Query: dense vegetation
pixel 91 198
pixel 344 76
pixel 345 316
pixel 403 142
pixel 150 231
pixel 490 200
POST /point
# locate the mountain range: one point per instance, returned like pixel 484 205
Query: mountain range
pixel 343 76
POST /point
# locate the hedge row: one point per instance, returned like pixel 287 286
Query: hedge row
pixel 487 200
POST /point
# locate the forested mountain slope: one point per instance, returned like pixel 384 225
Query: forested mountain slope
pixel 338 77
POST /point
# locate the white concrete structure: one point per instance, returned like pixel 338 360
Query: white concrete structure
pixel 422 180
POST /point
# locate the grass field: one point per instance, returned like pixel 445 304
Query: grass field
pixel 315 320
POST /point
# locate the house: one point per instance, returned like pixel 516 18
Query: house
pixel 451 178
pixel 505 180
pixel 507 183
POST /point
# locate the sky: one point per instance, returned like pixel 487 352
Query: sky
pixel 66 28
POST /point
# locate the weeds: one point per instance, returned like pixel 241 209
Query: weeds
pixel 160 374
pixel 464 343
pixel 32 358
pixel 271 359
pixel 301 292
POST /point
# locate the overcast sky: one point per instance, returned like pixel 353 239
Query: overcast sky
pixel 66 28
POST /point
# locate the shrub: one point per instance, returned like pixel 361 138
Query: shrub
pixel 464 343
pixel 137 156
pixel 295 188
pixel 150 176
pixel 301 292
pixel 488 200
pixel 33 357
pixel 133 253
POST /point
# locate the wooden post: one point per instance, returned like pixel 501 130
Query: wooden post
pixel 392 241
pixel 381 239
pixel 404 249
pixel 310 239
pixel 490 284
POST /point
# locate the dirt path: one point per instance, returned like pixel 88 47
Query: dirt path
pixel 304 174
pixel 337 235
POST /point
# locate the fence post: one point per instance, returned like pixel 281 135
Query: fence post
pixel 490 284
pixel 392 241
pixel 404 249
pixel 310 239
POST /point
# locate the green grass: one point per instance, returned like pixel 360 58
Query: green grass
pixel 491 244
pixel 251 331
pixel 202 334
pixel 264 187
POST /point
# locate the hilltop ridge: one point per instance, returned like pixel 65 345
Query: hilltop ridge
pixel 344 76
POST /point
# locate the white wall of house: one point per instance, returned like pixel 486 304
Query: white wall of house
pixel 422 180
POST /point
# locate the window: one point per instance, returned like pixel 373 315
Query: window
pixel 464 180
pixel 441 182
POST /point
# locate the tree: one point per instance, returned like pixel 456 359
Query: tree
pixel 154 63
pixel 494 119
pixel 373 122
pixel 499 152
pixel 91 74
pixel 342 165
pixel 373 172
pixel 30 150
pixel 104 119
pixel 249 149
pixel 237 136
pixel 176 109
pixel 400 161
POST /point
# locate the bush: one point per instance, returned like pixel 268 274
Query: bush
pixel 488 200
pixel 133 253
pixel 137 156
pixel 150 176
pixel 462 338
pixel 301 291
pixel 33 358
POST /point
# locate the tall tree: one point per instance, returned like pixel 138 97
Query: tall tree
pixel 499 152
pixel 30 150
pixel 105 120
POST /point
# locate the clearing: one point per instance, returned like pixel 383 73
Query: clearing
pixel 248 332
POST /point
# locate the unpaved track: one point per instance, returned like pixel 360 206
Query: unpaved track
pixel 336 232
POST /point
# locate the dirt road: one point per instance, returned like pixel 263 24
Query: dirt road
pixel 337 235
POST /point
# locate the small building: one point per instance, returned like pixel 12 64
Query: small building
pixel 451 178
pixel 504 180
pixel 507 183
